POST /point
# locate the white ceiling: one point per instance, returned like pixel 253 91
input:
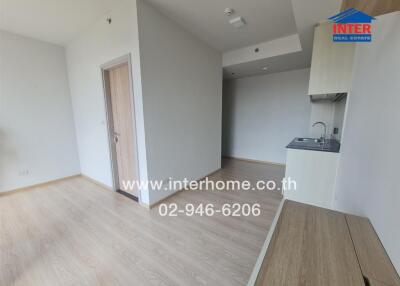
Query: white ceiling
pixel 60 21
pixel 307 14
pixel 54 21
pixel 266 20
pixel 275 64
pixel 307 18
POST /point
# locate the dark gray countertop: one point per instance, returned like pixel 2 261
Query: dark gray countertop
pixel 314 144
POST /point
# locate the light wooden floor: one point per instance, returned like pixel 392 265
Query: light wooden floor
pixel 76 233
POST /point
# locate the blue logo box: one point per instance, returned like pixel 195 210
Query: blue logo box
pixel 352 38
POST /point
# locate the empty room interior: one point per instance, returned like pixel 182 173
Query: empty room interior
pixel 186 142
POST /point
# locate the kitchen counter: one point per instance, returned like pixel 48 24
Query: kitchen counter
pixel 313 144
pixel 312 164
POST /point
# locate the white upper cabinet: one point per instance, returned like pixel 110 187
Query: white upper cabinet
pixel 332 63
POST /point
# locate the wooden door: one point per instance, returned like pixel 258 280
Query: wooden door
pixel 123 124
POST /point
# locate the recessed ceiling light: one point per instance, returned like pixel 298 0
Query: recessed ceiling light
pixel 265 68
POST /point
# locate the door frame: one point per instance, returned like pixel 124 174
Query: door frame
pixel 105 68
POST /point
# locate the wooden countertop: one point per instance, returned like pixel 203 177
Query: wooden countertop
pixel 310 246
pixel 314 246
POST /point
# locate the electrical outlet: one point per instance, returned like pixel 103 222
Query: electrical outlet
pixel 24 172
pixel 335 130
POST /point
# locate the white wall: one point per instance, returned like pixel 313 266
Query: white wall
pixel 36 124
pixel 99 44
pixel 262 114
pixel 177 85
pixel 182 92
pixel 321 111
pixel 331 113
pixel 368 182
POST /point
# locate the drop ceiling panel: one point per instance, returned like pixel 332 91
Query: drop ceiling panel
pixel 265 20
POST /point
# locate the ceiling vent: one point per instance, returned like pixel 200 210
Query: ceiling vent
pixel 238 22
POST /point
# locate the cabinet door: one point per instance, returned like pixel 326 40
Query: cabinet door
pixel 332 63
pixel 315 175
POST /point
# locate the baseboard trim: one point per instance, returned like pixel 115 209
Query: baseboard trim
pixel 108 188
pixel 104 186
pixel 255 161
pixel 177 192
pixel 38 185
pixel 153 205
pixel 209 175
pixel 146 206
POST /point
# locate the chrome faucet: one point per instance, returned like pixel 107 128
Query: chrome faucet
pixel 324 125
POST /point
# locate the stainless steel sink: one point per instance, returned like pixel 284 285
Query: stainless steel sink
pixel 329 145
pixel 309 140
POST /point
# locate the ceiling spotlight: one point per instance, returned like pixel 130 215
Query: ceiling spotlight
pixel 265 68
pixel 229 11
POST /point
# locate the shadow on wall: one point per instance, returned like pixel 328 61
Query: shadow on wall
pixel 6 155
pixel 2 158
pixel 228 109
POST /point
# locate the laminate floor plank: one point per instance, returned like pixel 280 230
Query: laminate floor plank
pixel 74 232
